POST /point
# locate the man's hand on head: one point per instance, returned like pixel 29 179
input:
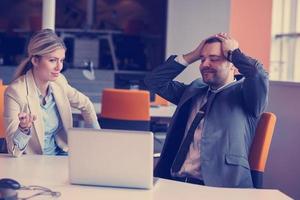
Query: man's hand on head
pixel 228 43
pixel 194 55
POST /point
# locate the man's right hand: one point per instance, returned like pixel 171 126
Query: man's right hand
pixel 194 55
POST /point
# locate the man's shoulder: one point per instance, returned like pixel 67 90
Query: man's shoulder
pixel 198 83
pixel 172 61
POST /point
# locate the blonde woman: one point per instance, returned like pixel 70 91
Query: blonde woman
pixel 38 102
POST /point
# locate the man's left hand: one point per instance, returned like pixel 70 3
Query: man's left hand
pixel 228 43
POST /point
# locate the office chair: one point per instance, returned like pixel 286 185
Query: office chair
pixel 2 131
pixel 125 109
pixel 158 125
pixel 260 147
pixel 159 101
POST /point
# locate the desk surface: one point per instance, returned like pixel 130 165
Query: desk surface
pixel 52 172
pixel 159 111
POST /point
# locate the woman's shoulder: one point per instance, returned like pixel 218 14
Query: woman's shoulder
pixel 17 86
pixel 17 83
pixel 61 79
pixel 61 82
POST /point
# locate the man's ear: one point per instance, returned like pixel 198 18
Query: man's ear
pixel 236 71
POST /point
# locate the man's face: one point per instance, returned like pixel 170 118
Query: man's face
pixel 216 71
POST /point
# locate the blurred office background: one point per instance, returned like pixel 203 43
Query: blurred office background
pixel 114 43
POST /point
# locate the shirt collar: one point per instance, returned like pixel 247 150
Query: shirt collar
pixel 224 86
pixel 49 92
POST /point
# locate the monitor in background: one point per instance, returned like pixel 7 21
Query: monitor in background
pixel 130 52
pixel 127 80
pixel 132 80
pixel 69 42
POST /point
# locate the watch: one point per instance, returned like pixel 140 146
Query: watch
pixel 229 55
pixel 24 130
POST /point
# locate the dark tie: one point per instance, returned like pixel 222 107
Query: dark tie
pixel 184 148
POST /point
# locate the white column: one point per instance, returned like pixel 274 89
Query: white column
pixel 90 13
pixel 48 14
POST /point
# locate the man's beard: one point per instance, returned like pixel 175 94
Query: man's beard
pixel 208 74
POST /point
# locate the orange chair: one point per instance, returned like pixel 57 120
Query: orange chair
pixel 159 101
pixel 125 109
pixel 2 132
pixel 2 89
pixel 260 147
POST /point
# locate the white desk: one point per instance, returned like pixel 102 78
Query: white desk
pixel 52 172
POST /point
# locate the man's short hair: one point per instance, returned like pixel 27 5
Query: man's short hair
pixel 212 40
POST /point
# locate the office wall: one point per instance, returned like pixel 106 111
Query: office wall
pixel 188 22
pixel 283 165
pixel 250 24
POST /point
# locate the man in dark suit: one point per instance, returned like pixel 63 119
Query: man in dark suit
pixel 212 129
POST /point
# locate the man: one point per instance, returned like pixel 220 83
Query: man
pixel 220 110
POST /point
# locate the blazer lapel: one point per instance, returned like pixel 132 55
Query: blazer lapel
pixel 62 106
pixel 33 104
pixel 193 92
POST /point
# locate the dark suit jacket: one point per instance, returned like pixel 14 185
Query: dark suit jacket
pixel 229 125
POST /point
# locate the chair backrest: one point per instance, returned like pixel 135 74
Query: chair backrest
pixel 159 101
pixel 260 147
pixel 2 90
pixel 125 109
pixel 3 148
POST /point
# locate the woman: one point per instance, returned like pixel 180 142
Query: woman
pixel 38 102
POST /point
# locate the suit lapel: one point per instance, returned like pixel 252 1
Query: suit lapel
pixel 63 109
pixel 33 104
pixel 193 92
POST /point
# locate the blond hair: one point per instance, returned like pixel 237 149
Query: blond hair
pixel 42 42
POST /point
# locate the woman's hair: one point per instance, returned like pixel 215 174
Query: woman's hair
pixel 42 42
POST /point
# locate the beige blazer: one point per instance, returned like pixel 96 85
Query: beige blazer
pixel 21 95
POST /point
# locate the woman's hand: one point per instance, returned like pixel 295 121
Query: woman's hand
pixel 26 121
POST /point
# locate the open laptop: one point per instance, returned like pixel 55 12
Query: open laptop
pixel 106 157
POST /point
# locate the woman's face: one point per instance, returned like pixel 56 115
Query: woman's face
pixel 48 67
